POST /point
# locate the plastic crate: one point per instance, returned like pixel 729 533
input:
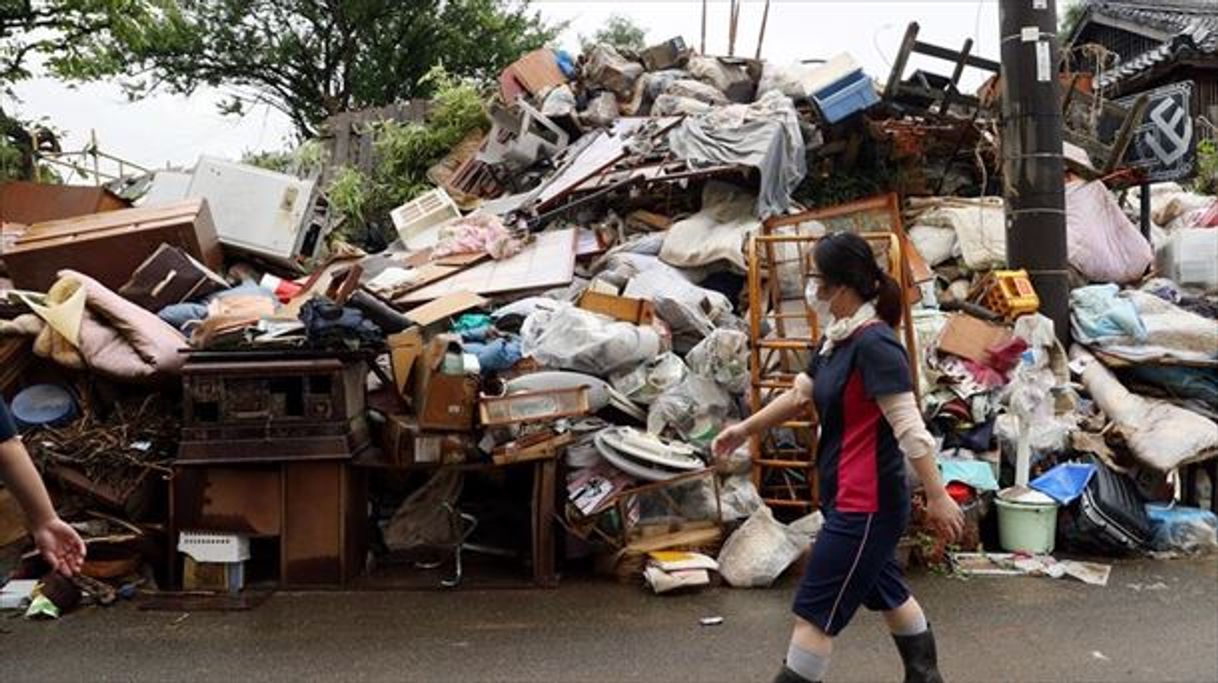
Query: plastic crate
pixel 205 546
pixel 1008 293
pixel 425 211
pixel 846 96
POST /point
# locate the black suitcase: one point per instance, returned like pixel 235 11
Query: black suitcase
pixel 1110 517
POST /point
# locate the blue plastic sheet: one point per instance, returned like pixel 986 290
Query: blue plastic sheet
pixel 1066 482
pixel 1182 529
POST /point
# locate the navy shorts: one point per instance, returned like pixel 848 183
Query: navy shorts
pixel 8 429
pixel 853 563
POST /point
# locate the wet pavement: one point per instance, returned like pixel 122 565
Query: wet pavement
pixel 1155 621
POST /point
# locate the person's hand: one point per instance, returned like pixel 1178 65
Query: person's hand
pixel 945 516
pixel 728 441
pixel 61 546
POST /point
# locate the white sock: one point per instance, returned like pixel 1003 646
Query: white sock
pixel 807 663
pixel 915 627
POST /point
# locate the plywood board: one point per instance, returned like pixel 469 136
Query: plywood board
pixel 445 306
pixel 548 262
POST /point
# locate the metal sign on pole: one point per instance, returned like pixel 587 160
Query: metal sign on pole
pixel 1165 143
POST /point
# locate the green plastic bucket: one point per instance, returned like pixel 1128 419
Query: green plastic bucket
pixel 1026 527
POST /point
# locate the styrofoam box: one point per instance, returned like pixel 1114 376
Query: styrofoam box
pixel 206 546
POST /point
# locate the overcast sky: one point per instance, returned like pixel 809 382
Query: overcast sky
pixel 176 130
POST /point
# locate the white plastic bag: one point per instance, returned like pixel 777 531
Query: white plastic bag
pixel 738 498
pixel 571 338
pixel 759 551
pixel 723 357
pixel 695 411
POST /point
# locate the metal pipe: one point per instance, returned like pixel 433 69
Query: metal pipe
pixel 765 17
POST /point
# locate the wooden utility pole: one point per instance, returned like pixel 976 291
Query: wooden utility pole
pixel 1032 166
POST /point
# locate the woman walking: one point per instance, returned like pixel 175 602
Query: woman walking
pixel 860 383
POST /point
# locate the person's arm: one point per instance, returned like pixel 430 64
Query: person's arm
pixel 58 542
pixel 788 405
pixel 901 411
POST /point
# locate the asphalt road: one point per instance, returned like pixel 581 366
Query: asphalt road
pixel 1155 621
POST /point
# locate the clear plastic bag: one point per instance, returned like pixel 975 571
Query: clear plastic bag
pixel 645 382
pixel 723 357
pixel 1182 529
pixel 694 411
pixel 738 498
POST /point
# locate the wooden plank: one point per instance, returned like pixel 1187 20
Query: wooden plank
pixel 898 67
pixel 311 547
pixel 548 262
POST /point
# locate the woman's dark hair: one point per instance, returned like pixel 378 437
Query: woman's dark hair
pixel 845 259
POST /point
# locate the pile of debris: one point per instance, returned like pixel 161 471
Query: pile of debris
pixel 594 288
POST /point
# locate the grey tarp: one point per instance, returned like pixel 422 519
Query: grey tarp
pixel 764 135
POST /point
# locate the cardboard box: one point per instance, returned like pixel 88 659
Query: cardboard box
pixel 443 402
pixel 406 444
pixel 637 311
pixel 405 348
pixel 969 337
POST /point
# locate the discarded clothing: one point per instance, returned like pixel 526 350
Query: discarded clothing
pixel 715 234
pixel 976 473
pixel 764 135
pixel 330 326
pixel 1101 318
pixel 477 233
pixel 89 326
pixel 980 226
pixel 1098 313
pixel 1160 435
pixel 495 355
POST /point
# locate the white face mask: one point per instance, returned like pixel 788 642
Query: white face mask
pixel 823 307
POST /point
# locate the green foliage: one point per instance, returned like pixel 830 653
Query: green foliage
pixel 404 152
pixel 349 193
pixel 312 58
pixel 1206 181
pixel 1071 18
pixel 621 32
pixel 10 161
pixel 303 161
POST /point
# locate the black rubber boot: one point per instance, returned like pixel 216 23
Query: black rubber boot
pixel 921 660
pixel 788 676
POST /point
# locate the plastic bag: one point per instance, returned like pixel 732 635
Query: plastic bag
pixel 645 382
pixel 759 551
pixel 1182 529
pixel 602 110
pixel 723 357
pixel 422 520
pixel 738 498
pixel 571 338
pixel 695 411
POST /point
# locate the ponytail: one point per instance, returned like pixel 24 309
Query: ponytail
pixel 888 300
